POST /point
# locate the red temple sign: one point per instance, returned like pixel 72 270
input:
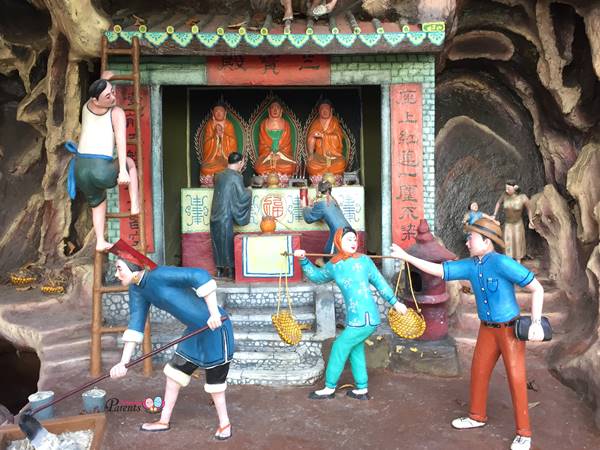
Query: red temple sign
pixel 271 70
pixel 407 162
pixel 129 228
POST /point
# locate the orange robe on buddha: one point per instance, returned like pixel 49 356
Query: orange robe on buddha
pixel 214 150
pixel 330 145
pixel 265 145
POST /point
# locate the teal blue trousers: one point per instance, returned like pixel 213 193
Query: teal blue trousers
pixel 349 344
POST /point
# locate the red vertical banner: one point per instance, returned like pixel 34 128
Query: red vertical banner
pixel 130 227
pixel 407 161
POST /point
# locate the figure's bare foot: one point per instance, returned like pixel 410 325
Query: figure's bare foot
pixel 135 208
pixel 103 246
pixel 155 426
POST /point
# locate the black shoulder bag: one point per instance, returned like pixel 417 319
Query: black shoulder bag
pixel 523 323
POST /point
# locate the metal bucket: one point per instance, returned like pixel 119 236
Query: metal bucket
pixel 94 400
pixel 42 398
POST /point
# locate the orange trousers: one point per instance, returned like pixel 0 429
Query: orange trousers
pixel 491 343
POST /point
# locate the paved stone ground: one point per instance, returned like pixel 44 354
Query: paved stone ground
pixel 406 412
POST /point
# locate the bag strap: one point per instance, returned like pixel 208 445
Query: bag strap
pixel 287 290
pixel 412 292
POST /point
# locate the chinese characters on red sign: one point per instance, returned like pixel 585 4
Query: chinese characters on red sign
pixel 271 70
pixel 130 227
pixel 407 162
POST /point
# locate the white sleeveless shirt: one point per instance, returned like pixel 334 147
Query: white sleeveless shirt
pixel 97 134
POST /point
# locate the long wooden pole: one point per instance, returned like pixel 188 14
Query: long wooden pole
pixel 333 254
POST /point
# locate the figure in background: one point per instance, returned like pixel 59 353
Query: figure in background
pixel 275 151
pixel 493 276
pixel 325 208
pixel 513 202
pixel 176 291
pixel 325 145
pixel 93 170
pixel 353 273
pixel 473 214
pixel 218 142
pixel 230 204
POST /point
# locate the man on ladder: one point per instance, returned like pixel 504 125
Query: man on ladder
pixel 94 170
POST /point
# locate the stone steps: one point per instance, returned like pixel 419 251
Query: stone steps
pixel 269 310
pixel 267 297
pixel 277 372
pixel 263 323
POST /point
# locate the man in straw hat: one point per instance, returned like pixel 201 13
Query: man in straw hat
pixel 493 276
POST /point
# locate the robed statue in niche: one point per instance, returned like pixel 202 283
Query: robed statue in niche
pixel 218 142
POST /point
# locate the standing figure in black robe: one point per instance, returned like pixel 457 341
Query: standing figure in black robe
pixel 231 203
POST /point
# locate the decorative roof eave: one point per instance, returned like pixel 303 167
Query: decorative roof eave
pixel 426 38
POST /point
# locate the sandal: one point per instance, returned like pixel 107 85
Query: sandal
pixel 168 427
pixel 314 396
pixel 364 396
pixel 220 430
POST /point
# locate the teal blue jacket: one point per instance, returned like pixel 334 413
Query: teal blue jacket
pixel 353 276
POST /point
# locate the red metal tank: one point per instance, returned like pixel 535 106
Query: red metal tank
pixel 430 291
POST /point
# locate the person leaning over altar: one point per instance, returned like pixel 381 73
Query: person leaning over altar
pixel 353 273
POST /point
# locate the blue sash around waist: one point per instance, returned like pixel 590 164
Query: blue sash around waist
pixel 72 147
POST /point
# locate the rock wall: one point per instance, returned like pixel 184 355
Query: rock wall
pixel 518 96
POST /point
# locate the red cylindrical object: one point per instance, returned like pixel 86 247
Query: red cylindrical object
pixel 304 196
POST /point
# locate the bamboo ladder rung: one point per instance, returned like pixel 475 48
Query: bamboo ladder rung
pixel 120 215
pixel 112 289
pixel 117 329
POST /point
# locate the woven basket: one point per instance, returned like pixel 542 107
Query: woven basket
pixel 50 289
pixel 22 280
pixel 288 329
pixel 408 326
pixel 24 276
pixel 412 324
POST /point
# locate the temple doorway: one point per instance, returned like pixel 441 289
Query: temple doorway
pixel 187 108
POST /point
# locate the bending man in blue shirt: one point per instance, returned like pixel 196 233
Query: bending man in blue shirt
pixel 176 291
pixel 492 278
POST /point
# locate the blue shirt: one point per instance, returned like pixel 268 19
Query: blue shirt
pixel 172 289
pixel 492 279
pixel 474 216
pixel 353 276
pixel 331 214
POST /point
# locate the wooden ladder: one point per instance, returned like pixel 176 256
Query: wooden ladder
pixel 98 329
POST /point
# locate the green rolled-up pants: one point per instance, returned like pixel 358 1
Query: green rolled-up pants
pixel 349 344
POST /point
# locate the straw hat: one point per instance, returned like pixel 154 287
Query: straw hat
pixel 487 228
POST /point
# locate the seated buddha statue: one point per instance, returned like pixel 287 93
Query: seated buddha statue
pixel 275 150
pixel 325 145
pixel 218 142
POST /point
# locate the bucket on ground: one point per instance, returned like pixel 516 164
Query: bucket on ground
pixel 39 399
pixel 94 400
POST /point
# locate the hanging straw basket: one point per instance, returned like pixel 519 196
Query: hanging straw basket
pixel 284 322
pixel 288 329
pixel 412 324
pixel 408 326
